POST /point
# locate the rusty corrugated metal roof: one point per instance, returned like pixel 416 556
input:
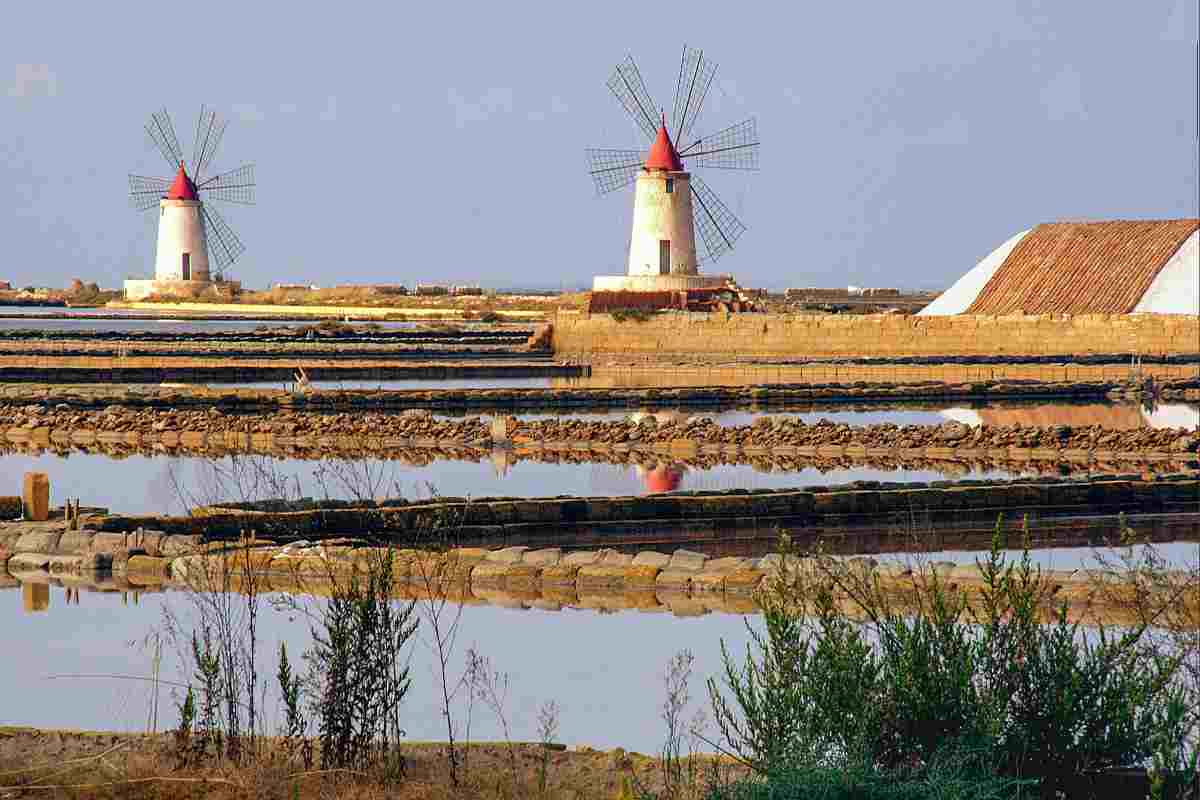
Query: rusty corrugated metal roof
pixel 1082 267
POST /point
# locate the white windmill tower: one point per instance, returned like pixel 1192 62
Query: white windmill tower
pixel 196 246
pixel 670 203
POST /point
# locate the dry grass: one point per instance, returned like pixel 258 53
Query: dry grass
pixel 36 763
pixel 371 297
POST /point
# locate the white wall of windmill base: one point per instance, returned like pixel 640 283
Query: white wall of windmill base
pixel 219 290
pixel 658 216
pixel 180 230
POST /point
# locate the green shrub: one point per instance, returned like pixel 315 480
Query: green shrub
pixel 1043 702
pixel 951 777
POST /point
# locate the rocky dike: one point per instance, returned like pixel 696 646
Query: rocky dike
pixel 686 582
pixel 295 430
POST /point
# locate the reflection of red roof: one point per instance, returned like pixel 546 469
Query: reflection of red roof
pixel 663 479
pixel 662 152
pixel 182 188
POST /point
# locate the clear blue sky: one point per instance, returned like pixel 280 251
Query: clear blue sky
pixel 445 141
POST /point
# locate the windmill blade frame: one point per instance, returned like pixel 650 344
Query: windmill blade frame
pixel 224 246
pixel 627 86
pixel 719 228
pixel 696 75
pixel 613 169
pixel 210 128
pixel 146 192
pixel 235 186
pixel 735 147
pixel 162 133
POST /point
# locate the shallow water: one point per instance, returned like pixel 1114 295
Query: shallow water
pixel 155 484
pixel 603 670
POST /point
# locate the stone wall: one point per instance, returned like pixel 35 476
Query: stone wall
pixel 734 336
pixel 561 521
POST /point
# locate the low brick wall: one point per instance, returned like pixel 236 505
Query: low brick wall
pixel 745 336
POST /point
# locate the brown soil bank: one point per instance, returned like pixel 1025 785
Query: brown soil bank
pixel 131 765
pixel 41 391
pixel 748 336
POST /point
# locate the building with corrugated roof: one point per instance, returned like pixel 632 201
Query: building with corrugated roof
pixel 1120 267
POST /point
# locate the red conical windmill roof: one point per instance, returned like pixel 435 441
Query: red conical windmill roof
pixel 662 153
pixel 182 188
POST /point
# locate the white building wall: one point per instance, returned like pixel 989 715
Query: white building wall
pixel 180 230
pixel 658 215
pixel 1176 288
pixel 958 298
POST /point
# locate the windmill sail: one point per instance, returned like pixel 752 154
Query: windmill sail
pixel 235 186
pixel 614 169
pixel 224 246
pixel 735 147
pixel 695 78
pixel 716 224
pixel 162 133
pixel 144 192
pixel 209 130
pixel 627 85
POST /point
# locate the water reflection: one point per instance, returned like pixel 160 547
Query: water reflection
pixel 139 484
pixel 603 669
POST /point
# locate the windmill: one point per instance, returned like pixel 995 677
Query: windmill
pixel 670 203
pixel 195 243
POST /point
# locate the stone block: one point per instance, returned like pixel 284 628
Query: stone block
pixel 509 555
pixel 35 496
pixel 560 574
pixel 728 564
pixel 38 542
pixel 674 579
pixel 650 558
pixel 687 560
pixel 523 576
pixel 177 545
pixel 744 581
pixel 110 542
pixel 75 542
pixel 28 562
pixel 613 558
pixel 595 575
pixel 490 573
pixel 545 557
pixel 708 582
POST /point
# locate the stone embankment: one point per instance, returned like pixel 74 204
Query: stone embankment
pixel 634 398
pixel 869 516
pixel 683 582
pixel 757 336
pixel 688 441
pixel 143 369
pixel 339 334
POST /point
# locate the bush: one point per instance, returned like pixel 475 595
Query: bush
pixel 359 676
pixel 937 675
pixel 952 777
